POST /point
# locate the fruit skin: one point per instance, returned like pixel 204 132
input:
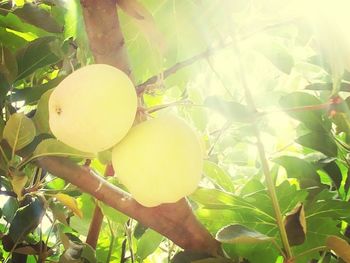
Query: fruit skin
pixel 159 161
pixel 93 108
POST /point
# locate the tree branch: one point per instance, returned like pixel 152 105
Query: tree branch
pixel 175 221
pixel 105 36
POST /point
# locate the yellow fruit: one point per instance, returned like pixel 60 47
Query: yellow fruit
pixel 159 161
pixel 93 108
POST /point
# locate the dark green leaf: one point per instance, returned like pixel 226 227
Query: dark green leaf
pixel 35 55
pixel 8 64
pixel 139 230
pixel 148 243
pixel 218 176
pixel 295 225
pixel 319 141
pixel 32 94
pixel 300 169
pixel 33 14
pixel 10 208
pixel 189 256
pixel 239 234
pixel 26 219
pixel 298 104
pixel 233 111
pixel 334 172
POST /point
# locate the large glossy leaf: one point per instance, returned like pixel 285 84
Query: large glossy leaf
pixel 19 131
pixel 300 169
pixel 148 243
pixel 239 234
pixel 53 147
pixel 36 54
pixel 33 14
pixel 26 219
pixel 232 110
pixel 32 94
pixel 8 64
pixel 299 105
pixel 218 176
pixel 319 141
pixel 9 209
pixel 278 55
pixel 41 117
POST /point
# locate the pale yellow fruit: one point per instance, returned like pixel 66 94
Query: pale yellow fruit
pixel 93 108
pixel 159 161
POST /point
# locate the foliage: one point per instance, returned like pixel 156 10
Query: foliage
pixel 214 53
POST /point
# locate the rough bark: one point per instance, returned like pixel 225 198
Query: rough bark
pixel 105 36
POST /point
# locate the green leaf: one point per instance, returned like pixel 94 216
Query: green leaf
pixel 311 118
pixel 26 219
pixel 88 254
pixel 232 110
pixel 189 256
pixel 339 246
pixel 53 147
pixel 8 64
pixel 36 54
pixel 239 234
pixel 214 260
pixel 148 243
pixel 278 55
pixel 319 141
pixel 18 182
pixel 41 117
pixel 33 14
pixel 33 94
pixel 295 225
pixel 19 131
pixel 112 214
pixel 9 209
pixel 218 176
pixel 300 169
pixel 334 172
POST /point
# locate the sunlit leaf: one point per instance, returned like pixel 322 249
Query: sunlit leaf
pixel 306 109
pixel 19 131
pixel 148 243
pixel 53 147
pixel 278 55
pixel 69 202
pixel 41 117
pixel 233 111
pixel 218 176
pixel 18 182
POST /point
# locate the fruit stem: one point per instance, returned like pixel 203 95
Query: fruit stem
pixel 264 162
